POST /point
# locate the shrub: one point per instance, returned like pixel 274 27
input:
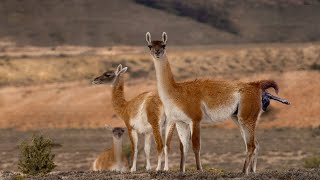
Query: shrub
pixel 127 151
pixel 36 158
pixel 312 162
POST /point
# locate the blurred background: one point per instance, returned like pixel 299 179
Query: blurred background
pixel 51 50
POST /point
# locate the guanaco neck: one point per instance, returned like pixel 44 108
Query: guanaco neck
pixel 165 79
pixel 117 149
pixel 118 100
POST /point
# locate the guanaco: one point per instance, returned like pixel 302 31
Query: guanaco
pixel 188 103
pixel 113 159
pixel 142 115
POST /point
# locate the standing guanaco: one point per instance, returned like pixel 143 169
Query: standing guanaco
pixel 190 102
pixel 113 159
pixel 142 115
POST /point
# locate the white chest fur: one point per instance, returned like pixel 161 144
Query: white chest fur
pixel 140 121
pixel 173 112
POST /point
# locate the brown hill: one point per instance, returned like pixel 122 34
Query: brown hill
pixel 114 22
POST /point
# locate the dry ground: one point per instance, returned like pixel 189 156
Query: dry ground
pixel 281 149
pixel 313 174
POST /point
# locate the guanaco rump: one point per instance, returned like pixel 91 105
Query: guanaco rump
pixel 113 159
pixel 188 103
pixel 142 115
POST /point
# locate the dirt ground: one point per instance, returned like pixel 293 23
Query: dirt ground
pixel 222 153
pixel 312 174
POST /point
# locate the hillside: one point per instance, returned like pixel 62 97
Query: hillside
pixel 114 22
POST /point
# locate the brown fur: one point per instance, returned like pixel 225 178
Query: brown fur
pixel 113 158
pixel 129 109
pixel 106 160
pixel 188 96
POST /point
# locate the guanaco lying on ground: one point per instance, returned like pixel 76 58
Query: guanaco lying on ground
pixel 142 115
pixel 188 103
pixel 113 159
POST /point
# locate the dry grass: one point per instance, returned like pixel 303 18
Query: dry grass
pixel 27 67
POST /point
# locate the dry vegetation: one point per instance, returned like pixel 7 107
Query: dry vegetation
pixel 78 104
pixel 31 65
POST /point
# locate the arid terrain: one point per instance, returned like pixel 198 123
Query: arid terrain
pixel 101 23
pixel 51 93
pixel 50 51
pixel 221 155
pixel 48 90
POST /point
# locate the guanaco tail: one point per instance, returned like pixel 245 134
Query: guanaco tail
pixel 113 159
pixel 188 103
pixel 143 114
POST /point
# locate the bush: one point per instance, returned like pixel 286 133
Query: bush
pixel 312 162
pixel 36 158
pixel 127 151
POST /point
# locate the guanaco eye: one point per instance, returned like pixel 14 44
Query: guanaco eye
pixel 150 47
pixel 108 74
pixel 163 46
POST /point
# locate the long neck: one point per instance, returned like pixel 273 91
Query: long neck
pixel 117 149
pixel 118 100
pixel 165 79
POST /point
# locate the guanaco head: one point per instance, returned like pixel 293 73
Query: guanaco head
pixel 109 76
pixel 157 48
pixel 118 132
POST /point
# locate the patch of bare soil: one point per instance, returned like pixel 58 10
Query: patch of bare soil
pixel 222 149
pixel 311 174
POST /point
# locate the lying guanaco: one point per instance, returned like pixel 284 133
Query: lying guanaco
pixel 113 159
pixel 142 115
pixel 188 103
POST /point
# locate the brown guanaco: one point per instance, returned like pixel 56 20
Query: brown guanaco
pixel 188 103
pixel 142 115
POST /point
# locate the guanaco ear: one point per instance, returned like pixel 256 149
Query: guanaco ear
pixel 164 38
pixel 123 70
pixel 119 68
pixel 148 38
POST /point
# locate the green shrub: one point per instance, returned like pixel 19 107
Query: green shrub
pixel 127 151
pixel 36 158
pixel 312 162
